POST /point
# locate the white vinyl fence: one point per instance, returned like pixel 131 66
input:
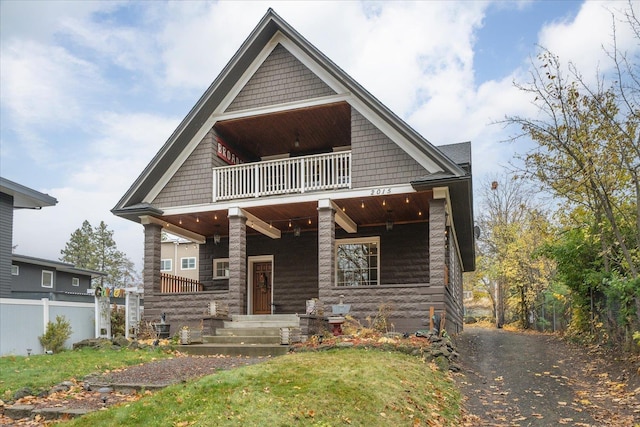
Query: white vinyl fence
pixel 22 321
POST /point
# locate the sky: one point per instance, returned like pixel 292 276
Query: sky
pixel 90 91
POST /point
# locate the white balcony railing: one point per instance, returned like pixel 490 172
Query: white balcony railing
pixel 295 175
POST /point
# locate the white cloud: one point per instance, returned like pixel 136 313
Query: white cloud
pixel 124 145
pixel 584 40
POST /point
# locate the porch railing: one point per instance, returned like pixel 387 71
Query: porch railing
pixel 285 176
pixel 170 284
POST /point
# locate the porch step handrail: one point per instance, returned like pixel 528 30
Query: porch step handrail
pixel 283 176
pixel 170 284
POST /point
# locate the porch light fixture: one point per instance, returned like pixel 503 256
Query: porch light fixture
pixel 289 223
pixel 296 231
pixel 216 238
pixel 309 222
pixel 296 143
pixel 389 222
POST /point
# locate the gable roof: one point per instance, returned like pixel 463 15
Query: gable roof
pixel 25 197
pixel 270 26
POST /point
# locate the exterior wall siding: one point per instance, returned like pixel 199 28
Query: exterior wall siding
pixel 6 241
pixel 281 78
pixel 376 160
pixel 193 181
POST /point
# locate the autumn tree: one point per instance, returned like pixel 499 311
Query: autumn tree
pixel 93 248
pixel 512 269
pixel 587 154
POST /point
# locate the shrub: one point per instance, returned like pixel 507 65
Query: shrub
pixel 56 334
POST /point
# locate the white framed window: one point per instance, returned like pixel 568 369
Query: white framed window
pixel 221 268
pixel 358 261
pixel 166 265
pixel 75 281
pixel 188 263
pixel 15 270
pixel 47 279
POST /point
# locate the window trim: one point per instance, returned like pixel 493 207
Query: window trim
pixel 75 281
pixel 216 261
pixel 188 258
pixel 15 270
pixel 170 264
pixel 356 240
pixel 51 274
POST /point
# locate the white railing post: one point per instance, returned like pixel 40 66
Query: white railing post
pixel 256 178
pixel 215 185
pixel 303 174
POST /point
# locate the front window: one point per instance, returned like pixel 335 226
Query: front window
pixel 358 261
pixel 165 265
pixel 47 279
pixel 15 270
pixel 188 263
pixel 75 281
pixel 221 268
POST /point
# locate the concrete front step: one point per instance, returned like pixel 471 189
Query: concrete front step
pixel 250 350
pixel 249 332
pixel 263 321
pixel 244 339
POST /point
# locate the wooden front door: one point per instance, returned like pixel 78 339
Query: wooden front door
pixel 262 287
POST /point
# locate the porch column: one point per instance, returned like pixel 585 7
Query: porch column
pixel 326 248
pixel 151 274
pixel 437 228
pixel 237 262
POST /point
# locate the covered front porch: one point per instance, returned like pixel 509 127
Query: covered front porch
pixel 262 256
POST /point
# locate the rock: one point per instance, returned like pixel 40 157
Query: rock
pixel 121 341
pixel 91 342
pixel 344 344
pixel 23 392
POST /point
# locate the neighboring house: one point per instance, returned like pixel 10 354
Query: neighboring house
pixel 33 291
pixel 179 257
pixel 298 184
pixel 35 278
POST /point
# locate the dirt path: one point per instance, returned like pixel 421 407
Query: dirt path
pixel 530 379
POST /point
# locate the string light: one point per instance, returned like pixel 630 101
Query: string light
pixel 197 219
pixel 180 222
pixel 406 199
pixel 384 202
pixel 362 204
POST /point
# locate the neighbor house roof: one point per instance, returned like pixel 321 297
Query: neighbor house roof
pixel 25 197
pixel 269 26
pixel 59 266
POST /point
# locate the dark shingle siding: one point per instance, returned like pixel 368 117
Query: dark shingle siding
pixel 376 160
pixel 193 181
pixel 280 79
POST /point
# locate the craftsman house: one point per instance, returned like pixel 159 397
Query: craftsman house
pixel 299 184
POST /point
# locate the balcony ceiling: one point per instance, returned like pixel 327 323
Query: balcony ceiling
pixel 318 129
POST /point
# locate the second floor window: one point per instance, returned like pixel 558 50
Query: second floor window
pixel 75 281
pixel 47 279
pixel 188 263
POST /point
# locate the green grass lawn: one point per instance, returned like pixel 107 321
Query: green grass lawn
pixel 43 371
pixel 331 388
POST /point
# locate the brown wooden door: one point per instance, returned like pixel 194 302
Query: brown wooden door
pixel 262 288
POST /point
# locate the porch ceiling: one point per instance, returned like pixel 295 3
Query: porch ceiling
pixel 376 211
pixel 317 129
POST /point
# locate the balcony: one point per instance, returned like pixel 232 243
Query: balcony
pixel 320 172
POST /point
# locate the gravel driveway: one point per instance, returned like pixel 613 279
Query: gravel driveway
pixel 531 379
